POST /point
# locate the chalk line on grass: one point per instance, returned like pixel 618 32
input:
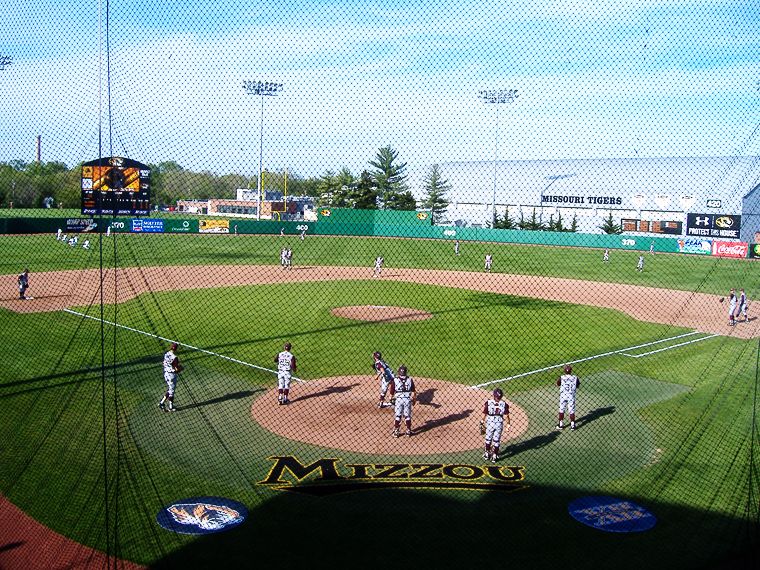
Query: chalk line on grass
pixel 621 351
pixel 190 346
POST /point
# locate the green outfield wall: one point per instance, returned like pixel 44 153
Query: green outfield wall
pixel 339 222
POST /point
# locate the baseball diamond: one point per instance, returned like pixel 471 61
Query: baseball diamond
pixel 228 431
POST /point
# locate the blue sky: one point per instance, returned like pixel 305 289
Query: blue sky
pixel 609 78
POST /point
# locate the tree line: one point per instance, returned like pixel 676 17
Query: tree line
pixel 383 185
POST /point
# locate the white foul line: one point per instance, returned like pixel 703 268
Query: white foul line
pixel 222 356
pixel 620 351
pixel 669 347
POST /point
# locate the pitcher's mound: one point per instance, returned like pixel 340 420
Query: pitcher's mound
pixel 381 313
pixel 341 412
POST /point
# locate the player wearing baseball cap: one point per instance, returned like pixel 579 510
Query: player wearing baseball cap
pixel 172 368
pixel 384 376
pixel 286 365
pixel 495 418
pixel 405 393
pixel 568 383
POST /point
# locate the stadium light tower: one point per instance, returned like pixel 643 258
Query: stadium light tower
pixel 5 60
pixel 496 97
pixel 262 89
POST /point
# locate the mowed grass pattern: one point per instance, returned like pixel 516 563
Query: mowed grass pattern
pixel 672 430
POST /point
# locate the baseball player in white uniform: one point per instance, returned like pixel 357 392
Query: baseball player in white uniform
pixel 172 368
pixel 404 391
pixel 59 234
pixel 456 247
pixel 488 262
pixel 606 256
pixel 286 365
pixel 495 416
pixel 378 266
pixel 568 384
pixel 640 264
pixel 732 307
pixel 742 309
pixel 384 376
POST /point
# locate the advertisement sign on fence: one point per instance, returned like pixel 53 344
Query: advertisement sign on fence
pixel 695 245
pixel 713 225
pixel 147 225
pixel 80 225
pixel 730 249
pixel 214 226
pixel 754 251
pixel 177 226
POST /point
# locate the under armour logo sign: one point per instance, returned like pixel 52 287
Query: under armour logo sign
pixel 703 221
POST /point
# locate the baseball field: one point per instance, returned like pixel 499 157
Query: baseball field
pixel 666 408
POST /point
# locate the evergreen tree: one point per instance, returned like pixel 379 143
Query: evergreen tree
pixel 610 227
pixel 364 193
pixel 504 223
pixel 435 194
pixel 574 224
pixel 390 179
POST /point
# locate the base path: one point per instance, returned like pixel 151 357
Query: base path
pixel 58 290
pixel 29 545
pixel 341 413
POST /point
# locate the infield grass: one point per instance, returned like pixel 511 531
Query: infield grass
pixel 672 430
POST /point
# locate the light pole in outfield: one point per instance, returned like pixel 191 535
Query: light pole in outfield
pixel 262 89
pixel 496 97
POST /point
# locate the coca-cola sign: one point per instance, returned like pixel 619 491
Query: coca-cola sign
pixel 730 248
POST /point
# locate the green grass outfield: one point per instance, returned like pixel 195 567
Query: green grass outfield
pixel 705 274
pixel 671 430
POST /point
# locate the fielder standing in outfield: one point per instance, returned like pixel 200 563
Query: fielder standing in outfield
pixel 495 415
pixel 172 368
pixel 286 365
pixel 23 284
pixel 378 266
pixel 640 264
pixel 488 262
pixel 568 384
pixel 384 376
pixel 404 391
pixel 606 256
pixel 456 247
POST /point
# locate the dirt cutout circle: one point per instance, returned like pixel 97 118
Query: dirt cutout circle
pixel 341 413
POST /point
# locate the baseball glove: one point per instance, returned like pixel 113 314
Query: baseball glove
pixel 179 368
pixel 482 428
pixel 722 299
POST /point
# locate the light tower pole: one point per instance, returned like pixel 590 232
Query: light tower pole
pixel 262 89
pixel 496 97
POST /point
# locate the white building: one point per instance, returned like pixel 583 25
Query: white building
pixel 646 189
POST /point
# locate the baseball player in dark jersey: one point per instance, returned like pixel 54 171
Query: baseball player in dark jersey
pixel 23 284
pixel 384 376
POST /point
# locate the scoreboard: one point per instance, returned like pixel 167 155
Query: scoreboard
pixel 115 186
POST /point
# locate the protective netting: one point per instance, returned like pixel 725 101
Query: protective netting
pixel 361 211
